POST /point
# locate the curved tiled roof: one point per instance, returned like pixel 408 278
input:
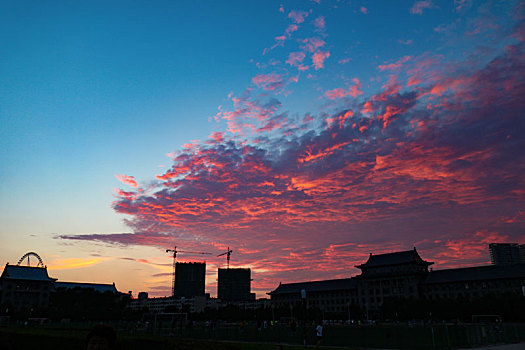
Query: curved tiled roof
pixel 17 272
pixel 396 258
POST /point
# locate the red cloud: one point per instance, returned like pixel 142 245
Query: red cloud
pixel 128 180
pixel 384 168
pixel 353 91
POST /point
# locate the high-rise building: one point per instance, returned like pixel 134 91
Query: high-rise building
pixel 189 279
pixel 505 253
pixel 234 284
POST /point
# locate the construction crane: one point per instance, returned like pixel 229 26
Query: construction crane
pixel 175 251
pixel 228 253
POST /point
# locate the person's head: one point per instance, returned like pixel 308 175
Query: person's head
pixel 101 337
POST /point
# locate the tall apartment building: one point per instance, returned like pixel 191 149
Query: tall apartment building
pixel 506 253
pixel 189 279
pixel 234 284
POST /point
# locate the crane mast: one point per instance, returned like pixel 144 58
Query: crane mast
pixel 175 251
pixel 228 253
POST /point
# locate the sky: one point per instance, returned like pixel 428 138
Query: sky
pixel 303 135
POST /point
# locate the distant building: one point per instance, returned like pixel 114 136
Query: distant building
pixel 474 282
pixel 234 285
pixel 328 295
pixel 98 287
pixel 390 275
pixel 159 305
pixel 25 286
pixel 402 275
pixel 28 286
pixel 189 279
pixel 506 253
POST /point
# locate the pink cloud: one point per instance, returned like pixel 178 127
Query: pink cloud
pixel 290 29
pixel 353 91
pixel 395 65
pixel 312 44
pixel 386 166
pixel 419 6
pixel 320 23
pixel 128 180
pixel 298 16
pixel 269 82
pixel 462 4
pixel 295 58
pixel 319 57
pixel 406 42
pixel 217 136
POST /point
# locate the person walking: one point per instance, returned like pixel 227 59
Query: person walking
pixel 319 333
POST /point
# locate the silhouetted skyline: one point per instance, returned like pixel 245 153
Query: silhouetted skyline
pixel 303 135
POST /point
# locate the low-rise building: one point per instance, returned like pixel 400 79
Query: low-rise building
pixel 25 286
pixel 402 275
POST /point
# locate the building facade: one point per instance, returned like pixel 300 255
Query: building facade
pixel 390 275
pixel 506 253
pixel 402 275
pixel 189 279
pixel 330 295
pixel 234 285
pixel 25 286
pixel 161 304
pixel 31 287
pixel 474 282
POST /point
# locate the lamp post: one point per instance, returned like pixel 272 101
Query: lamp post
pixel 303 297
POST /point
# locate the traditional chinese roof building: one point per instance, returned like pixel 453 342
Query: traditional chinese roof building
pixel 403 275
pixel 25 286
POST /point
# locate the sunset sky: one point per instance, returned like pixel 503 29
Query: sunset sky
pixel 304 135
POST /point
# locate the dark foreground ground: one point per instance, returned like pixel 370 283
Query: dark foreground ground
pixel 56 338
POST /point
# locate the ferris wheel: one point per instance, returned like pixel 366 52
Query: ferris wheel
pixel 28 257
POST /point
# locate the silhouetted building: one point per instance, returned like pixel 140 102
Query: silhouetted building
pixel 402 275
pixel 98 287
pixel 234 285
pixel 474 282
pixel 390 275
pixel 329 295
pixel 163 304
pixel 25 286
pixel 506 253
pixel 189 279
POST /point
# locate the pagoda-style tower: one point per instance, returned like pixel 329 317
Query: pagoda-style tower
pixel 392 275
